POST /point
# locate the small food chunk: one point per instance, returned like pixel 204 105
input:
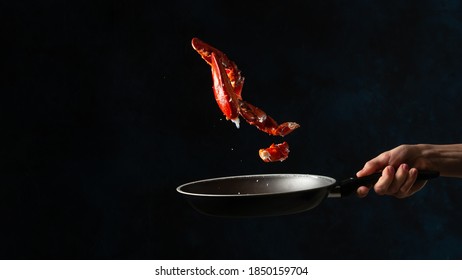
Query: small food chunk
pixel 275 152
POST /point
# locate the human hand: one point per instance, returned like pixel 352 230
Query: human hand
pixel 398 177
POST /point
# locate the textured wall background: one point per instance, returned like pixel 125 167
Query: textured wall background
pixel 108 109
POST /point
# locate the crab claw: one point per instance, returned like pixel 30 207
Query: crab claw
pixel 275 152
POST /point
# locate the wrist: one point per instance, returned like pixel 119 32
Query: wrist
pixel 446 159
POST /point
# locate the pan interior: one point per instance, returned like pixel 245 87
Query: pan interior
pixel 256 185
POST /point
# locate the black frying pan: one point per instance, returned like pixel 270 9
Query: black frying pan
pixel 271 194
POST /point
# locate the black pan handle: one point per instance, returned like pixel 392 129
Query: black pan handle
pixel 349 186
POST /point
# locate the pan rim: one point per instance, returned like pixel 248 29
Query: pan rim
pixel 180 190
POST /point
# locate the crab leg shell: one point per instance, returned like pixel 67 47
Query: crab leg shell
pixel 286 128
pixel 257 117
pixel 224 93
pixel 233 73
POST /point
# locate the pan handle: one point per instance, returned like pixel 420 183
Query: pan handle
pixel 349 186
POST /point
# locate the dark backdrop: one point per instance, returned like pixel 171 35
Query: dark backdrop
pixel 107 109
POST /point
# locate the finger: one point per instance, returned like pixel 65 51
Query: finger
pixel 362 191
pixel 374 165
pixel 411 185
pixel 388 174
pixel 405 189
pixel 400 179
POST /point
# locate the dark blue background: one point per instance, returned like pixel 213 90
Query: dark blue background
pixel 107 109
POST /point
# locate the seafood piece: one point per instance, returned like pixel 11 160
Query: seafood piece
pixel 262 121
pixel 227 87
pixel 275 152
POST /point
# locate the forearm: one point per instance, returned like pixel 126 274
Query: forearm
pixel 447 159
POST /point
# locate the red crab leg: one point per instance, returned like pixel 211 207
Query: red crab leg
pixel 257 117
pixel 233 73
pixel 223 90
pixel 227 87
pixel 275 152
pixel 221 64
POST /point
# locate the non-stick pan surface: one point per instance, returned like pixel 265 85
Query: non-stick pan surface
pixel 270 194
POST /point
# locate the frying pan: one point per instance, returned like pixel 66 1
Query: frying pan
pixel 271 194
